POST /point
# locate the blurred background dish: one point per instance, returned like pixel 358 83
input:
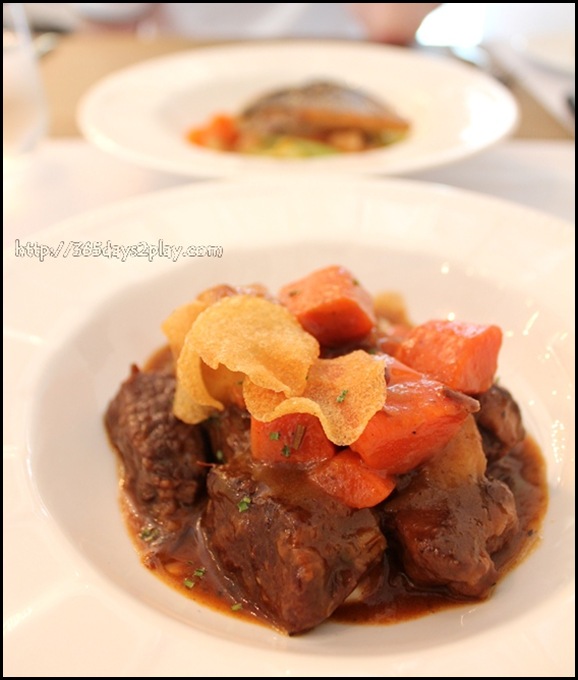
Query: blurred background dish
pixel 143 113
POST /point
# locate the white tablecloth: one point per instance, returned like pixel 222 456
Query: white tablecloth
pixel 64 178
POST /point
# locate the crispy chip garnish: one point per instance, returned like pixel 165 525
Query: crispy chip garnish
pixel 344 393
pixel 187 409
pixel 224 385
pixel 192 398
pixel 178 323
pixel 256 337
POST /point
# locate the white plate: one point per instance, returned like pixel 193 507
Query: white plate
pixel 554 50
pixel 143 112
pixel 78 602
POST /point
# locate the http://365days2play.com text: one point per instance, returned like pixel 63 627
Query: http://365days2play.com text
pixel 89 249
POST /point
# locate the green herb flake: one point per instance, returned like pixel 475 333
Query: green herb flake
pixel 244 504
pixel 200 572
pixel 236 607
pixel 188 583
pixel 274 436
pixel 219 455
pixel 286 451
pixel 149 534
pixel 342 395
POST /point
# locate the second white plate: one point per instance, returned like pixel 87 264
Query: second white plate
pixel 142 113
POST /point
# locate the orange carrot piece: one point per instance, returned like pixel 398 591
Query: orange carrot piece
pixel 462 355
pixel 331 305
pixel 419 417
pixel 296 438
pixel 225 128
pixel 196 136
pixel 389 340
pixel 346 477
pixel 220 132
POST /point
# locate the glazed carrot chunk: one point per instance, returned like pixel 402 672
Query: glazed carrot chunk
pixel 346 477
pixel 419 417
pixel 331 305
pixel 296 438
pixel 462 355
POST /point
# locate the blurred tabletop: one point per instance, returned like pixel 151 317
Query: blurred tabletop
pixel 79 60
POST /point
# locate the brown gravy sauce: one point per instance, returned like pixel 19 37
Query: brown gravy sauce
pixel 188 566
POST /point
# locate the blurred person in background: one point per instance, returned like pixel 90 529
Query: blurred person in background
pixel 451 24
pixel 395 23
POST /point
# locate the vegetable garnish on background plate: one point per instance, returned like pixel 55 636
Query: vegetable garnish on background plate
pixel 316 119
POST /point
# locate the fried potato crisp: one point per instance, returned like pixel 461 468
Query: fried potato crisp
pixel 193 401
pixel 177 324
pixel 201 389
pixel 344 393
pixel 251 351
pixel 187 409
pixel 253 336
pixel 224 385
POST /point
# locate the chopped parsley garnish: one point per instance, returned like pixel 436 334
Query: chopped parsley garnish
pixel 191 581
pixel 219 455
pixel 236 607
pixel 342 396
pixel 286 451
pixel 274 436
pixel 244 504
pixel 149 534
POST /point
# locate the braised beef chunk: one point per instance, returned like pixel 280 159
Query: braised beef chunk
pixel 292 551
pixel 500 422
pixel 448 518
pixel 229 433
pixel 160 453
